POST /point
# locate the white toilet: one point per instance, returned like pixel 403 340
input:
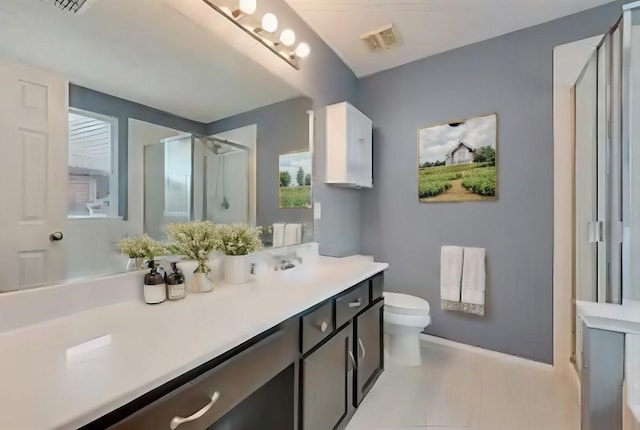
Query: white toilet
pixel 405 317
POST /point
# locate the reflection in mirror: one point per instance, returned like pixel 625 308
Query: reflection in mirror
pixel 295 180
pixel 125 128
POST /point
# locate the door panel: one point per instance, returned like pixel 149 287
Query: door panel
pixel 327 378
pixel 33 131
pixel 368 344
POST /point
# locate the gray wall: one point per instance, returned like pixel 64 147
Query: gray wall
pixel 326 80
pixel 281 127
pixel 105 104
pixel 510 75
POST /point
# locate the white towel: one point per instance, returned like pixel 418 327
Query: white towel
pixel 450 273
pixel 292 234
pixel 278 234
pixel 474 276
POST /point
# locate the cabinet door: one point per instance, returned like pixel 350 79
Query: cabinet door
pixel 327 378
pixel 368 343
pixel 602 377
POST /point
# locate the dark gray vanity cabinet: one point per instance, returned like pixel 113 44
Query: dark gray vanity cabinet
pixel 308 373
pixel 601 379
pixel 327 378
pixel 339 368
pixel 368 344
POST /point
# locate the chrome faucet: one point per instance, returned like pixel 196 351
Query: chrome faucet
pixel 287 261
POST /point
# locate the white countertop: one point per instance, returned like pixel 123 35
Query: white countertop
pixel 41 388
pixel 605 316
pixel 623 318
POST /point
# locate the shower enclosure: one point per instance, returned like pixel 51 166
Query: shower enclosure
pixel 188 178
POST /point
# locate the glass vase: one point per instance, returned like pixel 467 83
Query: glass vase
pixel 203 279
pixel 135 263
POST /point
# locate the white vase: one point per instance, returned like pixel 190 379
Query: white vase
pixel 236 270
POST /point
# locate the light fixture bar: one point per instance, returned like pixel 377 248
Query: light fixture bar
pixel 289 57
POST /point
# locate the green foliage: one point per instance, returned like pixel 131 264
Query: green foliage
pixel 485 154
pixel 300 177
pixel 432 164
pixel 431 188
pixel 238 239
pixel 307 179
pixel 141 247
pixel 481 181
pixel 285 179
pixel 295 197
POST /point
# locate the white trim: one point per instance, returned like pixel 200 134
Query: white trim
pixel 630 6
pixel 477 350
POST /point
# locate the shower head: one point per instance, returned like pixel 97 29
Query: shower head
pixel 218 148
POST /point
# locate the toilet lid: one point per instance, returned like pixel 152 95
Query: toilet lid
pixel 405 304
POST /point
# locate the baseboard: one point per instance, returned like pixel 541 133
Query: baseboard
pixel 477 350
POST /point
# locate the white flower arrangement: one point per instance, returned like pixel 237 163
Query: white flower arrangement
pixel 141 247
pixel 238 239
pixel 194 240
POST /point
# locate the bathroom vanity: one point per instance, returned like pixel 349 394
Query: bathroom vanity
pixel 296 350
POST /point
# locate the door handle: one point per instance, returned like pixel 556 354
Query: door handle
pixel 355 303
pixel 364 351
pixel 353 360
pixel 177 421
pixel 56 236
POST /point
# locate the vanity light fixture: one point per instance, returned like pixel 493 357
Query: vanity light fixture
pixel 269 23
pixel 241 13
pixel 288 37
pixel 248 6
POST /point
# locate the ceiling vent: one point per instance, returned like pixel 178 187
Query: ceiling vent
pixel 381 38
pixel 74 6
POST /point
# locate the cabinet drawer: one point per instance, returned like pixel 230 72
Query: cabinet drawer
pixel 317 325
pixel 233 381
pixel 350 304
pixel 377 286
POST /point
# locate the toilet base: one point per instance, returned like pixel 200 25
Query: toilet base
pixel 403 349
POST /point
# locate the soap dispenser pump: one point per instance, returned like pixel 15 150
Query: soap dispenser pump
pixel 155 289
pixel 176 289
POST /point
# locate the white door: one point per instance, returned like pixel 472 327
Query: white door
pixel 33 168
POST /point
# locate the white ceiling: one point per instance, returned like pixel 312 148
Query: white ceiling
pixel 426 27
pixel 140 50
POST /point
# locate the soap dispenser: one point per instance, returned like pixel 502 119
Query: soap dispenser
pixel 176 289
pixel 155 289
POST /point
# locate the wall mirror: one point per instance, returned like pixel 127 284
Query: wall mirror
pixel 117 128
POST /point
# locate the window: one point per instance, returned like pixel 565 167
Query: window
pixel 93 169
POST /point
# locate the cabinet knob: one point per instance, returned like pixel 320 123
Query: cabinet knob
pixel 324 326
pixel 355 303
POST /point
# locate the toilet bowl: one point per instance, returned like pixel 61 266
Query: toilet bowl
pixel 405 317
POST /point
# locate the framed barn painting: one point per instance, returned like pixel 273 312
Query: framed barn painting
pixel 458 160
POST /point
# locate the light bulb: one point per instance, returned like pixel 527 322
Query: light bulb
pixel 269 22
pixel 303 50
pixel 288 37
pixel 248 6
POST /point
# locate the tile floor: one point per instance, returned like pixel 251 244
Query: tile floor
pixel 461 390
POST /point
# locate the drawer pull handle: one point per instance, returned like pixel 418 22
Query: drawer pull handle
pixel 353 360
pixel 324 327
pixel 177 421
pixel 364 351
pixel 356 303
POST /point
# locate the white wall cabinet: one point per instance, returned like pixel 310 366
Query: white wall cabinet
pixel 349 147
